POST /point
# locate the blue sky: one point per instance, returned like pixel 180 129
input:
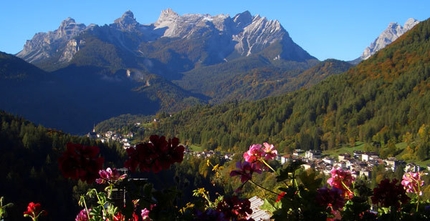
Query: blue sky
pixel 324 28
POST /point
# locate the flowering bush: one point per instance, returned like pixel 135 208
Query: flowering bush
pixel 298 194
pixel 156 155
pixel 300 197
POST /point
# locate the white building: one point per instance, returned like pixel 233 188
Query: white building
pixel 257 213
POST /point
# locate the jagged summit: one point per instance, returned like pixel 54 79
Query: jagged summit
pixel 44 45
pixel 127 17
pixel 69 28
pixel 410 23
pixel 166 17
pixel 390 34
pixel 216 38
pixel 67 22
pixel 242 19
pixel 127 21
pixel 189 24
pixel 261 32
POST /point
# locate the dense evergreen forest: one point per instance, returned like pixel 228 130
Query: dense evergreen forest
pixel 383 99
pixel 29 156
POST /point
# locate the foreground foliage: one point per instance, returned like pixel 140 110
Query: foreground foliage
pixel 298 195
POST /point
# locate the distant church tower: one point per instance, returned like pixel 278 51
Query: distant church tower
pixel 92 134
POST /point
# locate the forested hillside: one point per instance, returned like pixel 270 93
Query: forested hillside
pixel 28 159
pixel 383 98
pixel 16 70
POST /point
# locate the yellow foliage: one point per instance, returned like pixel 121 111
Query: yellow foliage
pixel 423 132
pixel 426 192
pixel 407 138
pixel 379 178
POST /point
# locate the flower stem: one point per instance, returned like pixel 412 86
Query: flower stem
pixel 346 187
pixel 271 168
pixel 262 187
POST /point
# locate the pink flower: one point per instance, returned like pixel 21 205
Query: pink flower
pixel 110 175
pixel 257 152
pixel 82 215
pixel 253 154
pixel 342 179
pixel 412 182
pixel 245 171
pixel 145 214
pixel 269 151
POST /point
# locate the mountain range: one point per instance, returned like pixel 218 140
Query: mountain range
pixel 198 39
pixel 382 103
pixel 78 75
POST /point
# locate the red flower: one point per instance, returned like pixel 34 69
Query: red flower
pixel 330 197
pixel 169 152
pixel 233 208
pixel 34 210
pixel 245 171
pixel 81 162
pixel 389 194
pixel 156 155
pixel 280 196
pixel 139 157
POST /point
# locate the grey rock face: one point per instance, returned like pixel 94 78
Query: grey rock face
pixel 72 47
pixel 44 45
pixel 244 34
pixel 389 35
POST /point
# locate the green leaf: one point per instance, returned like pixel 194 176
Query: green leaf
pixel 267 206
pixel 288 172
pixel 310 180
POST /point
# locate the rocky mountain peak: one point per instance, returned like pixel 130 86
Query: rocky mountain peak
pixel 68 29
pixel 166 17
pixel 243 19
pixel 188 25
pixel 410 23
pixel 43 45
pixel 127 21
pixel 390 34
pixel 127 17
pixel 68 21
pixel 222 36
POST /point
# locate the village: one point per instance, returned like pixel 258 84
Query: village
pixel 359 163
